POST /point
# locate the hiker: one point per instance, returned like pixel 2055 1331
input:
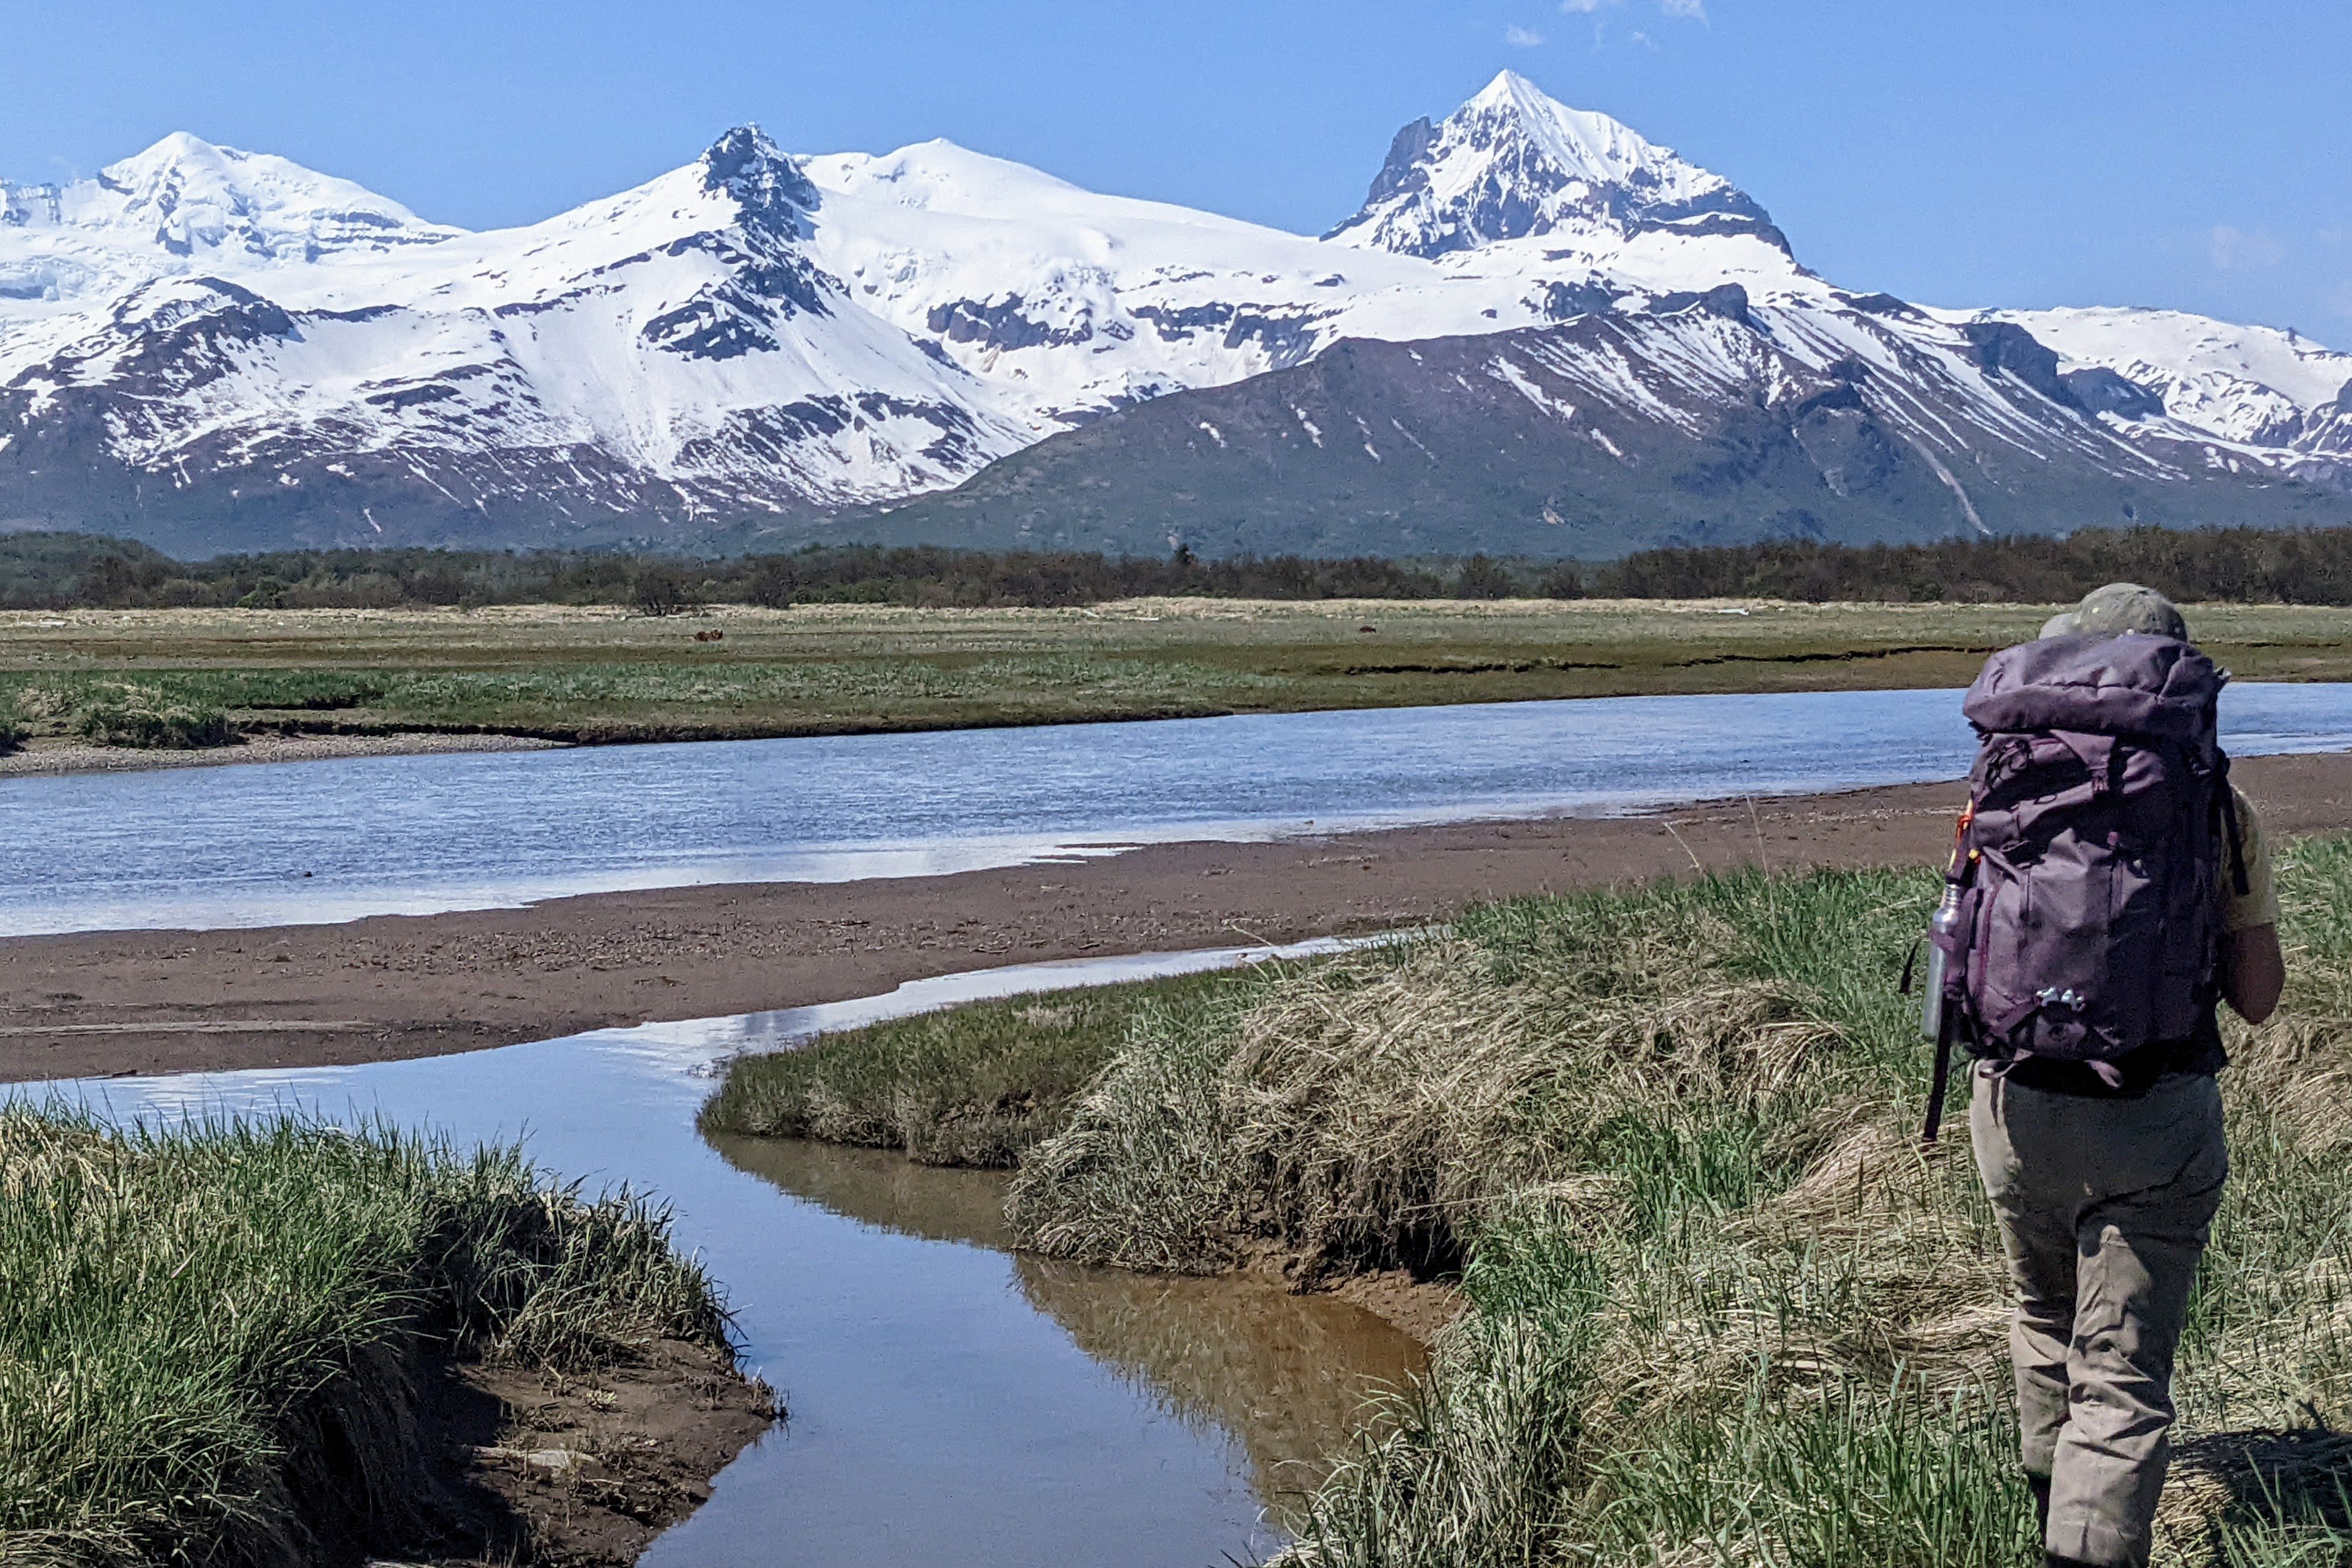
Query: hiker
pixel 2109 889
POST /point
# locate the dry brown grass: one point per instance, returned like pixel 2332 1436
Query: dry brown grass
pixel 1727 1309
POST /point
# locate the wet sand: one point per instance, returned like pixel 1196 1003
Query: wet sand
pixel 102 1003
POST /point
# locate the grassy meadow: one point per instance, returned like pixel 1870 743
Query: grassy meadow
pixel 219 1341
pixel 204 678
pixel 1724 1309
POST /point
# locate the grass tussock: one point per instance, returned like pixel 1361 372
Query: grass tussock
pixel 1365 1111
pixel 976 1085
pixel 168 729
pixel 216 1337
pixel 1725 1308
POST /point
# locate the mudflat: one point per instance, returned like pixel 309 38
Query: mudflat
pixel 108 1003
pixel 66 757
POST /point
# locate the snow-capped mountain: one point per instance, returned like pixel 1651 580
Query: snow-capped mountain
pixel 1714 420
pixel 1070 304
pixel 1074 304
pixel 1648 363
pixel 671 353
pixel 2253 394
pixel 190 199
pixel 211 349
pixel 1513 163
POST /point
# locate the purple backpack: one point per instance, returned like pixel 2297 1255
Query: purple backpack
pixel 2082 912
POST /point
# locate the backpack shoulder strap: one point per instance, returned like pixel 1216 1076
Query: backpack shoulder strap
pixel 2228 798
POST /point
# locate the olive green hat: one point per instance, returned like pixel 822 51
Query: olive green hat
pixel 2119 608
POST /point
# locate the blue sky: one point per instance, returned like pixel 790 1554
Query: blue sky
pixel 2063 151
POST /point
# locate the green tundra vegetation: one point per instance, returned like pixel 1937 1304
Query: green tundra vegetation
pixel 220 1340
pixel 105 641
pixel 208 676
pixel 1722 1305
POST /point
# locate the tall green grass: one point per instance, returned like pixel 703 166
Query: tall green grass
pixel 975 1086
pixel 215 1338
pixel 1724 1309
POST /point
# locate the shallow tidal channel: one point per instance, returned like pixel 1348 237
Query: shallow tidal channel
pixel 950 1402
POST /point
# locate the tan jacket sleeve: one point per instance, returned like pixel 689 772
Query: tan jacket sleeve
pixel 2259 905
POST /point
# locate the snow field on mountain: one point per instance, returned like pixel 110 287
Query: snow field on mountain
pixel 1129 298
pixel 2256 386
pixel 758 334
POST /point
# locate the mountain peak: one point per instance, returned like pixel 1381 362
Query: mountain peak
pixel 1510 87
pixel 1584 142
pixel 1514 161
pixel 178 146
pixel 186 194
pixel 769 183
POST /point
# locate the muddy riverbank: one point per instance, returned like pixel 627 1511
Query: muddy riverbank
pixel 68 757
pixel 260 1338
pixel 587 1469
pixel 104 1003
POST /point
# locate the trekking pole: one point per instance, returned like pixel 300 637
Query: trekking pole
pixel 1936 1016
pixel 1943 1077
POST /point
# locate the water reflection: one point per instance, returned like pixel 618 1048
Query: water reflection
pixel 880 1189
pixel 1286 1376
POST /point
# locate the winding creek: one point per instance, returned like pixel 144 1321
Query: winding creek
pixel 952 1401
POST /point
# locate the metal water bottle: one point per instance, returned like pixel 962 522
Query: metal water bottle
pixel 1943 936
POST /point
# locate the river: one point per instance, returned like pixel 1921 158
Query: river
pixel 952 1401
pixel 311 841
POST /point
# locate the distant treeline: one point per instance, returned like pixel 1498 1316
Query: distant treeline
pixel 2235 565
pixel 45 571
pixel 69 570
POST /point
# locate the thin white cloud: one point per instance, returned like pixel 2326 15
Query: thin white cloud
pixel 2242 250
pixel 1523 38
pixel 1645 41
pixel 1686 10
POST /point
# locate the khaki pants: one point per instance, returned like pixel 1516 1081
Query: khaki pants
pixel 2104 1206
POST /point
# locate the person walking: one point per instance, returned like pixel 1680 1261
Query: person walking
pixel 2111 888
